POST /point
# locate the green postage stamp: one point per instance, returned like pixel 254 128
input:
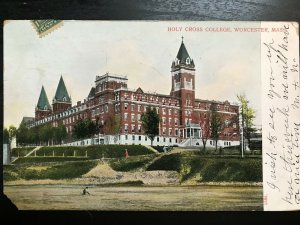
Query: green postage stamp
pixel 44 27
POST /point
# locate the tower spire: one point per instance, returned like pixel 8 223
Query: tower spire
pixel 183 57
pixel 43 103
pixel 61 94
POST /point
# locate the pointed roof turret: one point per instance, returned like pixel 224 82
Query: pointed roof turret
pixel 43 103
pixel 61 94
pixel 183 57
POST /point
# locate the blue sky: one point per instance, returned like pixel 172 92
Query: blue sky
pixel 226 63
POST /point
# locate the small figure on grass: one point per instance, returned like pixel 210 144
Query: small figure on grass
pixel 84 192
pixel 126 154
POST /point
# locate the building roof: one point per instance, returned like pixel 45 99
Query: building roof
pixel 92 93
pixel 61 93
pixel 43 103
pixel 27 119
pixel 182 54
pixel 183 57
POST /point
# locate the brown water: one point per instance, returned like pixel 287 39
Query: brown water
pixel 200 198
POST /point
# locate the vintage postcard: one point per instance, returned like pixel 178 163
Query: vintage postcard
pixel 151 115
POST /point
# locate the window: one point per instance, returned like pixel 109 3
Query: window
pixel 170 131
pixel 132 117
pixel 126 137
pixel 133 137
pixel 132 128
pixel 140 128
pixel 125 105
pixel 145 138
pixel 170 111
pixel 126 128
pixel 234 125
pixel 157 139
pixel 125 116
pixel 140 138
pixel 204 115
pixel 139 117
pixel 176 121
pixel 139 108
pixel 176 132
pixel 164 130
pixel 164 111
pixel 106 108
pixel 132 108
pixel 170 140
pixel 170 121
pixel 164 139
pixel 164 120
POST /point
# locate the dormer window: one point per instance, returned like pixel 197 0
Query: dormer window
pixel 64 99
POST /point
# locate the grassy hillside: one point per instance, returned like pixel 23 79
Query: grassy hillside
pixel 56 171
pixel 191 165
pixel 206 169
pixel 95 151
pixel 132 163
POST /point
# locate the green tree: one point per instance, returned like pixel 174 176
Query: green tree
pixel 61 133
pixel 22 135
pixel 150 122
pixel 247 115
pixel 12 130
pixel 85 128
pixel 5 136
pixel 205 128
pixel 216 124
pixel 112 125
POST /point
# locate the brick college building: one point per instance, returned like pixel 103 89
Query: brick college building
pixel 183 117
